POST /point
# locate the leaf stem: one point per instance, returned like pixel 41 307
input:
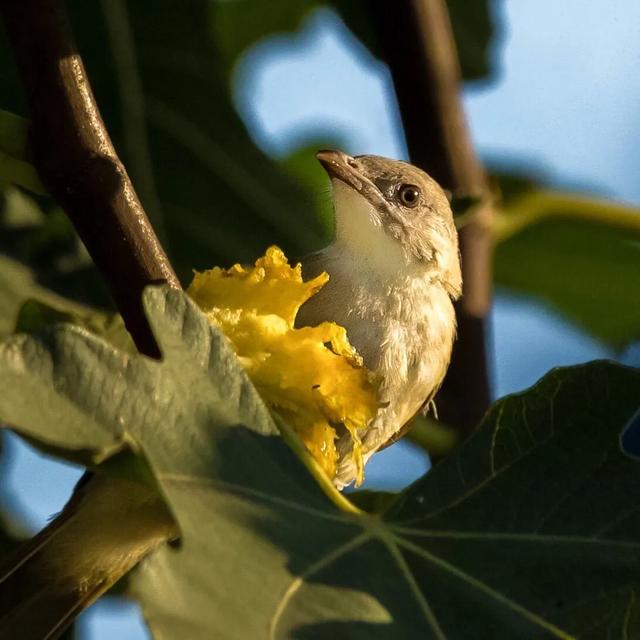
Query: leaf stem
pixel 536 206
pixel 292 439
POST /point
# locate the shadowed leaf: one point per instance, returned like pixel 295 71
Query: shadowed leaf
pixel 242 23
pixel 530 529
pixel 15 167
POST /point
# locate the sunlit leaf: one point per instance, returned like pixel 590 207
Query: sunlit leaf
pixel 579 256
pixel 529 530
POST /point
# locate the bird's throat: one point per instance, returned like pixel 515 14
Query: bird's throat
pixel 362 238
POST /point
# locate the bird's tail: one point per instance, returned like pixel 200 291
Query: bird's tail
pixel 106 529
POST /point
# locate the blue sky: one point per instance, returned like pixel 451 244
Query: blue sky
pixel 566 100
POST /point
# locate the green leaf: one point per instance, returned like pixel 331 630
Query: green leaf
pixel 14 135
pixel 240 24
pixel 436 438
pixel 579 256
pixel 35 315
pixel 48 244
pixel 19 211
pixel 9 540
pixel 210 193
pixel 17 284
pixel 471 22
pixel 529 530
pixel 215 197
pixel 38 238
pixel 15 167
pixel 474 31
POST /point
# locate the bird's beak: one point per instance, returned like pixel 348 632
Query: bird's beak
pixel 339 166
pixel 342 167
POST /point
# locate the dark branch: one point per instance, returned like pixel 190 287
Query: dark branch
pixel 417 44
pixel 77 161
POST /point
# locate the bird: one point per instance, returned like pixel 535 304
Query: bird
pixel 394 270
pixel 394 273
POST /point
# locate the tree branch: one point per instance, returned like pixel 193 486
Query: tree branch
pixel 78 163
pixel 417 44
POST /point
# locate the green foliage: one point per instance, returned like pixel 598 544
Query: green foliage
pixel 13 135
pixel 37 239
pixel 9 541
pixel 17 283
pixel 165 98
pixel 164 93
pixel 39 254
pixel 579 256
pixel 474 30
pixel 528 530
pixel 14 166
pixel 241 23
pixel 35 315
pixel 207 188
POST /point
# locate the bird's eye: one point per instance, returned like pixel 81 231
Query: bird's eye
pixel 409 195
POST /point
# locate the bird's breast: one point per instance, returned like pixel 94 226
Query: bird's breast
pixel 402 326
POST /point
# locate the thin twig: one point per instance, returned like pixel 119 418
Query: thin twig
pixel 78 163
pixel 417 44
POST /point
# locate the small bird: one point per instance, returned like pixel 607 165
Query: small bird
pixel 394 269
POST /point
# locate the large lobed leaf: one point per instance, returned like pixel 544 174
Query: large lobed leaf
pixel 530 530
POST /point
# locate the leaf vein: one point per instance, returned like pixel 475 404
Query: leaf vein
pixel 423 603
pixel 487 590
pixel 317 566
pixel 254 493
pixel 511 537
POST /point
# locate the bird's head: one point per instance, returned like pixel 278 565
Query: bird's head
pixel 395 212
